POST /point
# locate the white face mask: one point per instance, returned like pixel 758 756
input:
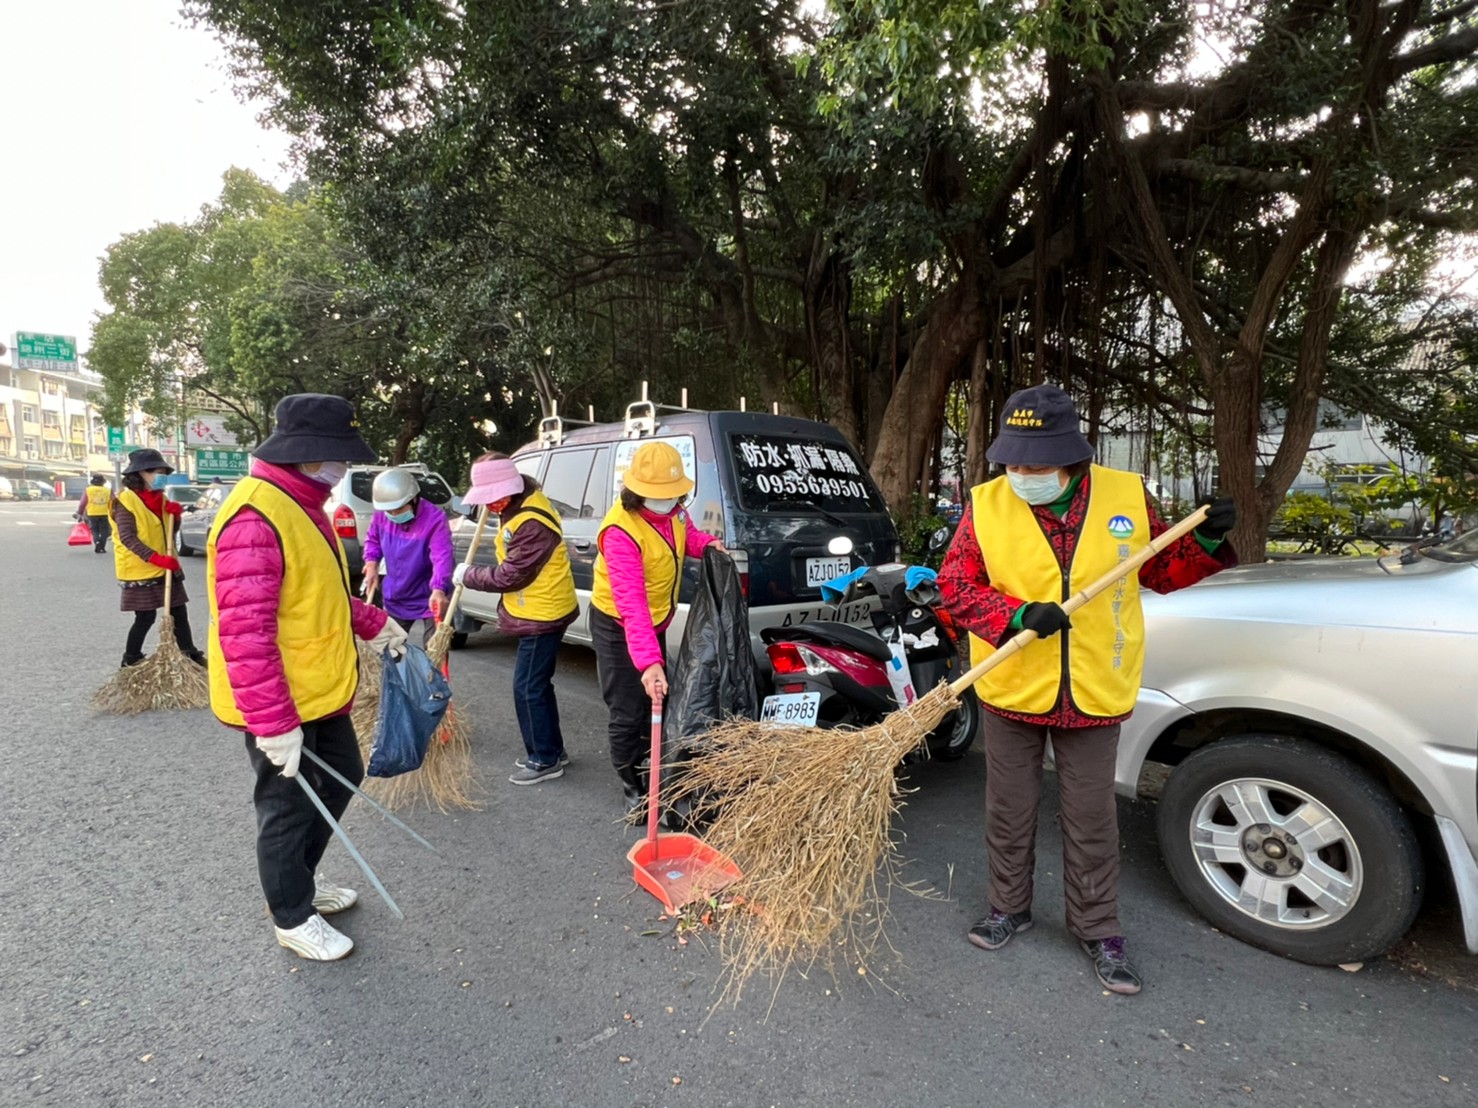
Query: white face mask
pixel 1036 488
pixel 661 507
pixel 327 473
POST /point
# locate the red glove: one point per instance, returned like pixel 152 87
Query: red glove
pixel 174 508
pixel 164 561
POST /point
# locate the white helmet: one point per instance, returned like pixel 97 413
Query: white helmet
pixel 393 488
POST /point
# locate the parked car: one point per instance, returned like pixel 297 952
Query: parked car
pixel 195 522
pixel 34 490
pixel 788 496
pixel 351 508
pixel 7 489
pixel 1318 719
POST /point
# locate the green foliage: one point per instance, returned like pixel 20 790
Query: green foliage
pixel 916 528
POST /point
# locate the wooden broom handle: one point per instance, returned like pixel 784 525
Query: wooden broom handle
pixel 1021 639
pixel 168 553
pixel 451 607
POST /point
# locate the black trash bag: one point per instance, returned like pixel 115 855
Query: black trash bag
pixel 713 677
pixel 414 696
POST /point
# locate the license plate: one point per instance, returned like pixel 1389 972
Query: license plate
pixel 821 570
pixel 791 709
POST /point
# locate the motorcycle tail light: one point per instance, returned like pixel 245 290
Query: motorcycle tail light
pixel 790 658
pixel 345 525
pixel 792 688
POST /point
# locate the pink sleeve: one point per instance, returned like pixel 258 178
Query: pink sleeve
pixel 697 539
pixel 248 588
pixel 368 620
pixel 629 589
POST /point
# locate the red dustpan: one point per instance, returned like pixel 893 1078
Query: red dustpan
pixel 675 868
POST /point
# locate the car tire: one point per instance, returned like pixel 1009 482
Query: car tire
pixel 184 549
pixel 459 640
pixel 951 739
pixel 1360 851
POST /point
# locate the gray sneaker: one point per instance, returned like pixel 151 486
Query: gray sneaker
pixel 522 763
pixel 531 775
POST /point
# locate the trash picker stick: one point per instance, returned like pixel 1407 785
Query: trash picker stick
pixel 371 801
pixel 349 846
pixel 1022 639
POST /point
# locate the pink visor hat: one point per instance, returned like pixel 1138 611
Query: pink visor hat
pixel 492 481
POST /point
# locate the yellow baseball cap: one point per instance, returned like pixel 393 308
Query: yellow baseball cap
pixel 656 470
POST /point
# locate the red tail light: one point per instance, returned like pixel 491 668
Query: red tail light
pixel 744 584
pixel 345 525
pixel 785 658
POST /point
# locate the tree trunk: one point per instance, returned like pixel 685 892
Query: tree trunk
pixel 828 296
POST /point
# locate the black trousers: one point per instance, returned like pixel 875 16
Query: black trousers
pixel 291 834
pixel 142 621
pixel 630 730
pixel 98 525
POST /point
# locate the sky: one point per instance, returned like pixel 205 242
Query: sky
pixel 114 116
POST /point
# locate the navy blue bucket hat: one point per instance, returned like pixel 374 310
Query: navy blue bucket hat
pixel 1039 427
pixel 314 427
pixel 141 461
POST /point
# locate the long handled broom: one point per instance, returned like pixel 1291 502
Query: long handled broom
pixel 445 778
pixel 166 679
pixel 807 814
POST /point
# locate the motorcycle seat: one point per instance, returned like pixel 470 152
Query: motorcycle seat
pixel 833 634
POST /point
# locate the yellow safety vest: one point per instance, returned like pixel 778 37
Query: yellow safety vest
pixel 1103 653
pixel 315 629
pixel 98 499
pixel 661 564
pixel 550 597
pixel 150 528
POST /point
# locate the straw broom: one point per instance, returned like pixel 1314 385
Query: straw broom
pixel 445 778
pixel 166 679
pixel 807 813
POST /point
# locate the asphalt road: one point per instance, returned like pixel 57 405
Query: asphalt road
pixel 137 967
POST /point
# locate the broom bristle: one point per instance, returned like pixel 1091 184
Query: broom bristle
pixel 440 643
pixel 806 813
pixel 166 680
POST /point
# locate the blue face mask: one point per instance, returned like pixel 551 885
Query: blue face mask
pixel 405 515
pixel 158 480
pixel 1036 488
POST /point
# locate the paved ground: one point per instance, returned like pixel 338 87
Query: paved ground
pixel 136 966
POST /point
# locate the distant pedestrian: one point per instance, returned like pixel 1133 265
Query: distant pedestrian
pixel 284 667
pixel 1029 540
pixel 93 507
pixel 140 516
pixel 537 604
pixel 410 540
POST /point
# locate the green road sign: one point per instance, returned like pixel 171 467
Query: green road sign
pixel 115 440
pixel 220 463
pixel 56 352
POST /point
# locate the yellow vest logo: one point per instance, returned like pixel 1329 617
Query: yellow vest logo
pixel 1024 417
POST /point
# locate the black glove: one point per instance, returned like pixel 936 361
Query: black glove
pixel 1045 619
pixel 1220 519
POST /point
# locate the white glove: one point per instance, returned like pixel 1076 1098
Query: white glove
pixel 459 573
pixel 391 637
pixel 283 750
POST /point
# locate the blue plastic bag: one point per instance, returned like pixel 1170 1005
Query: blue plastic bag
pixel 413 699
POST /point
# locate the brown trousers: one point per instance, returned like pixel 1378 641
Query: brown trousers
pixel 1089 818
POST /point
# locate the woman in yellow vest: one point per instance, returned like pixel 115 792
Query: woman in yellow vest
pixel 1030 539
pixel 538 603
pixel 93 507
pixel 283 664
pixel 642 542
pixel 139 515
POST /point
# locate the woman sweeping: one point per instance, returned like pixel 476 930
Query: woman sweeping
pixel 537 604
pixel 411 540
pixel 642 542
pixel 284 667
pixel 139 517
pixel 1029 540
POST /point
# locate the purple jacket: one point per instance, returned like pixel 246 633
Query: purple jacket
pixel 415 559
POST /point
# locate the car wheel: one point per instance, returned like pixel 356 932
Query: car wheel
pixel 949 741
pixel 1291 847
pixel 459 639
pixel 183 548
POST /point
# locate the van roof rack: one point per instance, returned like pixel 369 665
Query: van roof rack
pixel 552 426
pixel 641 415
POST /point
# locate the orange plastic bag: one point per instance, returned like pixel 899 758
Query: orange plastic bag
pixel 80 535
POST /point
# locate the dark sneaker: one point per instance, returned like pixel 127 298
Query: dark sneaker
pixel 522 763
pixel 198 658
pixel 1111 962
pixel 532 775
pixel 996 929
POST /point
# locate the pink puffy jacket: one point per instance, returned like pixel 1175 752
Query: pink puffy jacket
pixel 248 588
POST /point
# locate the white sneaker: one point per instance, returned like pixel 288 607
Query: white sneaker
pixel 328 899
pixel 316 940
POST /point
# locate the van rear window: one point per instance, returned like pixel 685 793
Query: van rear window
pixel 776 469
